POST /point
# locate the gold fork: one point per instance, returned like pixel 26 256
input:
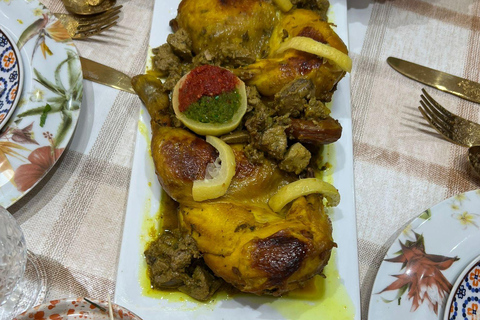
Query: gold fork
pixel 452 127
pixel 86 26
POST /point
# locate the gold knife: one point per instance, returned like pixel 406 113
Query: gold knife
pixel 102 74
pixel 460 87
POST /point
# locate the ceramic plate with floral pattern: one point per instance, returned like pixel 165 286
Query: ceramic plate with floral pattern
pixel 417 274
pixel 45 118
pixel 70 309
pixel 11 76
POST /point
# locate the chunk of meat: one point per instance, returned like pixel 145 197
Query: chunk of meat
pixel 181 44
pixel 174 262
pixel 296 159
pixel 274 142
pixel 164 60
pixel 293 98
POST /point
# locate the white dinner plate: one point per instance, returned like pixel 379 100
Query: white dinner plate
pixel 35 137
pixel 416 276
pixel 340 301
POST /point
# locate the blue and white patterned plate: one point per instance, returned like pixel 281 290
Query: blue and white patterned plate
pixel 11 77
pixel 464 300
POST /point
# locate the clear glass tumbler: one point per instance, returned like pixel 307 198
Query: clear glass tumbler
pixel 22 277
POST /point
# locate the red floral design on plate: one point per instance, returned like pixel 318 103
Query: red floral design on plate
pixel 422 278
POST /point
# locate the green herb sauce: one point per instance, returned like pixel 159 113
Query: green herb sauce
pixel 217 109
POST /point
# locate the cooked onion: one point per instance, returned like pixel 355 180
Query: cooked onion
pixel 304 187
pixel 309 45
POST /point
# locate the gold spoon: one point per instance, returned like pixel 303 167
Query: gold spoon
pixel 87 7
pixel 474 158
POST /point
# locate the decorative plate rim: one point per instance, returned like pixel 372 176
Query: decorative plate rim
pixel 18 95
pixel 468 268
pixel 47 309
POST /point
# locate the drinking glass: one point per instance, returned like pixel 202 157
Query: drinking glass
pixel 22 276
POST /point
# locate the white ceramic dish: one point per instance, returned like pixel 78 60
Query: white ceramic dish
pixel 53 76
pixel 416 277
pixel 11 76
pixel 464 299
pixel 143 203
pixel 76 309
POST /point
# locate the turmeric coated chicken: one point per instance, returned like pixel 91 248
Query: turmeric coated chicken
pixel 241 239
pixel 251 31
pixel 257 250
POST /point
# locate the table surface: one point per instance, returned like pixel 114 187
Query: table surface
pixel 402 167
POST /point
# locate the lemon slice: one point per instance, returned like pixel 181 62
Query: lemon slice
pixel 304 187
pixel 284 5
pixel 320 49
pixel 219 174
pixel 198 105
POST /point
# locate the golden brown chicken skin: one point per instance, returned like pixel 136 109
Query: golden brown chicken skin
pixel 242 240
pixel 213 24
pixel 180 157
pixel 275 71
pixel 257 250
pixel 254 30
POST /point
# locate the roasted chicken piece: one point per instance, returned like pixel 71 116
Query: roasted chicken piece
pixel 218 26
pixel 251 31
pixel 241 239
pixel 257 250
pixel 275 71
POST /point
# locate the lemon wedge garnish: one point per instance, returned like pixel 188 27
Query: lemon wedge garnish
pixel 304 187
pixel 320 49
pixel 214 110
pixel 284 5
pixel 219 174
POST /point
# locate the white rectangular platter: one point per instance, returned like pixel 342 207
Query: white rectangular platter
pixel 143 205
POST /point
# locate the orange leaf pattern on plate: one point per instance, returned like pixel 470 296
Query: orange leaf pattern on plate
pixel 57 31
pixel 41 160
pixel 422 278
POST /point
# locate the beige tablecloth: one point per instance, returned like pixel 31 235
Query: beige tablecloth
pixel 73 219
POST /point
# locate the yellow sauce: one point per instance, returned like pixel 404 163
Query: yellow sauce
pixel 143 130
pixel 323 298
